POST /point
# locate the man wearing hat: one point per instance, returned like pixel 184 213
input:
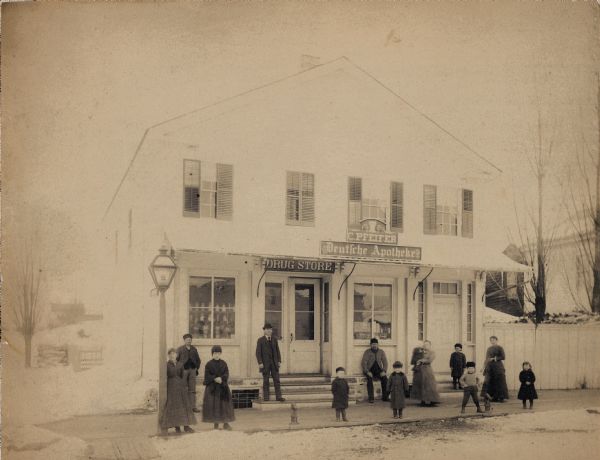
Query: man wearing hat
pixel 269 361
pixel 374 366
pixel 188 355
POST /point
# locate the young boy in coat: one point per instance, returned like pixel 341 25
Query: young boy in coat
pixel 341 393
pixel 469 382
pixel 458 362
pixel 527 390
pixel 397 388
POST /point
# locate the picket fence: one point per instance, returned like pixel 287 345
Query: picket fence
pixel 563 356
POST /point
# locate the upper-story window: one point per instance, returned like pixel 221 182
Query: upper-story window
pixel 354 202
pixel 300 199
pixel 370 213
pixel 442 207
pixel 207 189
pixel 396 207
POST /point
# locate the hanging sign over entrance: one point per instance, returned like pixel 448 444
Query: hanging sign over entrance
pixel 356 236
pixel 369 251
pixel 296 265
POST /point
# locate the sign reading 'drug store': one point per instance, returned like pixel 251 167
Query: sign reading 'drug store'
pixel 369 251
pixel 293 265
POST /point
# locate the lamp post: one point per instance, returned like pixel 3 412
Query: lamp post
pixel 162 269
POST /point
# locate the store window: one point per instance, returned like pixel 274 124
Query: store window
pixel 325 312
pixel 212 307
pixel 372 311
pixel 274 307
pixel 469 312
pixel 421 312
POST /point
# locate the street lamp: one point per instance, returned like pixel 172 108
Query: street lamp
pixel 162 269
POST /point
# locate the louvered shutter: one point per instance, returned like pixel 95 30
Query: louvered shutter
pixel 224 191
pixel 429 209
pixel 191 186
pixel 467 213
pixel 354 201
pixel 397 206
pixel 307 203
pixel 293 197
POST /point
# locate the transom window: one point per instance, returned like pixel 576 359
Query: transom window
pixel 372 311
pixel 445 288
pixel 212 307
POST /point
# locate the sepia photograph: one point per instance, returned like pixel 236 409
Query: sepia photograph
pixel 300 229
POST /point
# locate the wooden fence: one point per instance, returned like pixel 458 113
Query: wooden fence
pixel 562 356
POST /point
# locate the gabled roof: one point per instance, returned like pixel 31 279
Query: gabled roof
pixel 174 124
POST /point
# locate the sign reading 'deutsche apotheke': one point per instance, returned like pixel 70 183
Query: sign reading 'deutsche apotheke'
pixel 369 251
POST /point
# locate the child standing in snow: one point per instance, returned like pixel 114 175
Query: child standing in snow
pixel 469 382
pixel 527 390
pixel 397 388
pixel 458 362
pixel 341 392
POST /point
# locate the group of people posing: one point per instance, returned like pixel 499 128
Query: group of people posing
pixel 217 407
pixel 396 389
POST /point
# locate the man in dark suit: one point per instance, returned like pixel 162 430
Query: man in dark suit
pixel 188 355
pixel 269 361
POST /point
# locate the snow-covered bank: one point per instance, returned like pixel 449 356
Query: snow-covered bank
pixel 557 435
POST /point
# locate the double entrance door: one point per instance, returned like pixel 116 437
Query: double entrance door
pixel 293 307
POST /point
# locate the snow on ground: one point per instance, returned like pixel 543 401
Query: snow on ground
pixel 556 435
pixel 32 443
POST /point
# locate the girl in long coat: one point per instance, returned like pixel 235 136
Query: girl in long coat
pixel 397 387
pixel 424 384
pixel 527 390
pixel 217 405
pixel 494 369
pixel 178 409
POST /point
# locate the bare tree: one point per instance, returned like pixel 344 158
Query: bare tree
pixel 582 207
pixel 27 314
pixel 535 243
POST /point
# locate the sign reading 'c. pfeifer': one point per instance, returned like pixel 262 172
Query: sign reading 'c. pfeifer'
pixel 369 251
pixel 294 265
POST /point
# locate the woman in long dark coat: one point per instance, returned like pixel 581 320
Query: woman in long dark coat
pixel 217 406
pixel 527 390
pixel 424 384
pixel 178 409
pixel 494 369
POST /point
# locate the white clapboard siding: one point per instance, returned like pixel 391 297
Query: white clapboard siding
pixel 562 356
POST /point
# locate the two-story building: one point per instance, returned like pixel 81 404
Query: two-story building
pixel 322 203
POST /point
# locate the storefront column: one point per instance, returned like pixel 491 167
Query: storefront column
pixel 464 289
pixel 257 317
pixel 400 326
pixel 479 307
pixel 337 331
pixel 412 329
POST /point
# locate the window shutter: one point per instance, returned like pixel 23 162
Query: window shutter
pixel 467 213
pixel 224 191
pixel 308 198
pixel 429 209
pixel 191 186
pixel 292 212
pixel 354 201
pixel 396 206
